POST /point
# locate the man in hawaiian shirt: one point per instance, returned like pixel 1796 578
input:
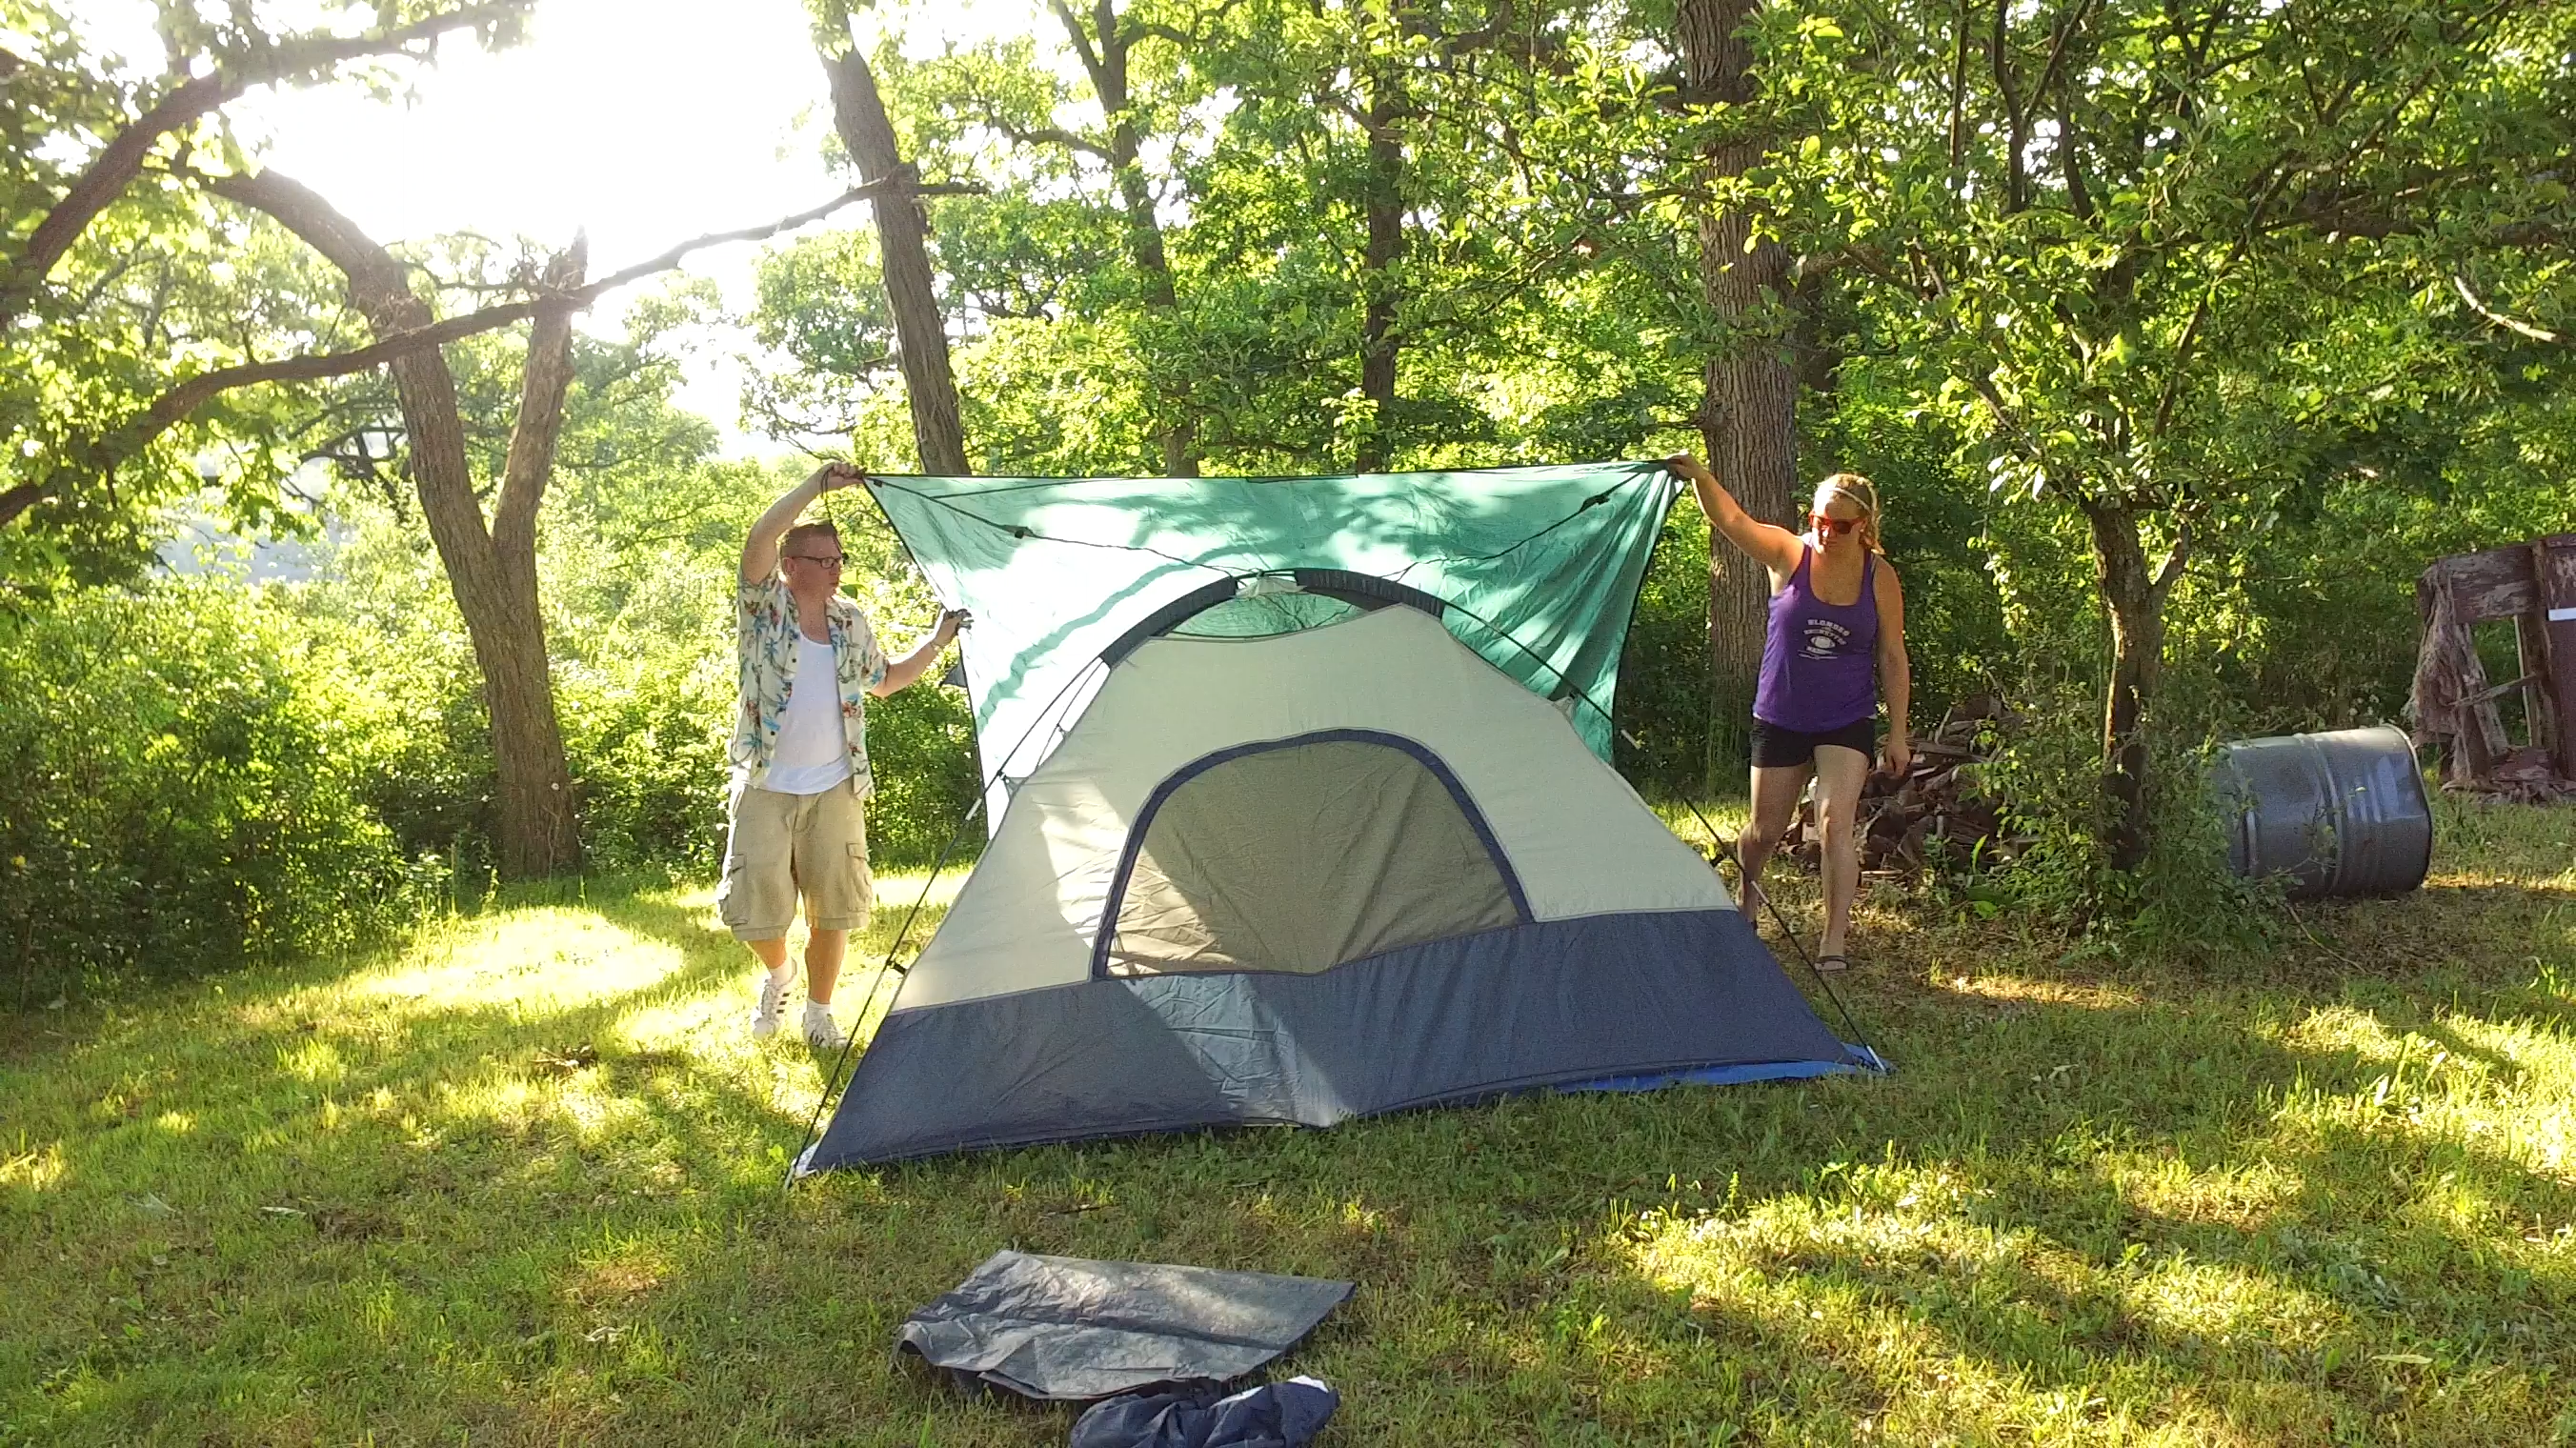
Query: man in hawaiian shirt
pixel 800 753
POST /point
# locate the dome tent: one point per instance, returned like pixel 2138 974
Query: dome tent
pixel 1297 851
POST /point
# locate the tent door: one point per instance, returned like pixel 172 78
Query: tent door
pixel 1300 855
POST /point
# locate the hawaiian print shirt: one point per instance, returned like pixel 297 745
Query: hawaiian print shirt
pixel 765 639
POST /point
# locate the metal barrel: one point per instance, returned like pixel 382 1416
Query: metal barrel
pixel 2340 813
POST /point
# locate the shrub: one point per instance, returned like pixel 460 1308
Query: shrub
pixel 181 789
pixel 2182 901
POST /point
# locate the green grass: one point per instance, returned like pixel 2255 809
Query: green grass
pixel 2327 1195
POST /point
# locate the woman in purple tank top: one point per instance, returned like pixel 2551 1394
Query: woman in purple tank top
pixel 1837 628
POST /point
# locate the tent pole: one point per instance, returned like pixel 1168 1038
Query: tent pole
pixel 832 1083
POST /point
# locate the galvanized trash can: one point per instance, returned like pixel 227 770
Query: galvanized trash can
pixel 2339 813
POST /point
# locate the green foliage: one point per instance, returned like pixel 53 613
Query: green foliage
pixel 2265 296
pixel 162 285
pixel 1662 708
pixel 2181 902
pixel 921 743
pixel 184 778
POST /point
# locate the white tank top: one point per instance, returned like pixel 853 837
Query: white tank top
pixel 813 749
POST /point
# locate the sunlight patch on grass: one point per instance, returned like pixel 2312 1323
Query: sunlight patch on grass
pixel 2224 1310
pixel 2021 989
pixel 528 959
pixel 1809 1282
pixel 40 1170
pixel 1893 1274
pixel 2243 1196
pixel 316 1062
pixel 2507 1088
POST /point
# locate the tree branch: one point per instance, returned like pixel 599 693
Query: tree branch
pixel 2460 284
pixel 106 178
pixel 538 426
pixel 306 214
pixel 1043 135
pixel 22 497
pixel 174 406
pixel 1080 38
pixel 2175 560
pixel 907 182
pixel 189 101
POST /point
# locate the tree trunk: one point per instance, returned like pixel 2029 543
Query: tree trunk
pixel 492 573
pixel 1103 49
pixel 538 831
pixel 2136 601
pixel 1749 391
pixel 1379 254
pixel 921 336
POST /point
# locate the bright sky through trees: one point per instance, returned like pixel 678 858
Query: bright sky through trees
pixel 644 121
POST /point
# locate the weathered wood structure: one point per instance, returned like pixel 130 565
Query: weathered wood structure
pixel 2534 585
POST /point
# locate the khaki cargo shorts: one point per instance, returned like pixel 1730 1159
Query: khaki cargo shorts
pixel 785 845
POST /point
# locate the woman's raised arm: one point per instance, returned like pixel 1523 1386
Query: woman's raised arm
pixel 1774 548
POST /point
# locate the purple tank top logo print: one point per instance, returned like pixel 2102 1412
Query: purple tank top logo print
pixel 1819 660
pixel 1824 638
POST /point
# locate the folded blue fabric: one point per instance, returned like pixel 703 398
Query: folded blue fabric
pixel 1274 1415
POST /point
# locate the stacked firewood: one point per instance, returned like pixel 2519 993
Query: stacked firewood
pixel 2522 776
pixel 1932 817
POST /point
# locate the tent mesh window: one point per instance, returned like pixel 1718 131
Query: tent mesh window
pixel 1301 857
pixel 1261 615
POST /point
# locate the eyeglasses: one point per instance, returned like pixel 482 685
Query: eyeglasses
pixel 832 562
pixel 1835 526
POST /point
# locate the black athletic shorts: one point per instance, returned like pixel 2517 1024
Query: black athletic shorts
pixel 1778 748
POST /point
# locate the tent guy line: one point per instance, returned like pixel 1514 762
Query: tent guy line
pixel 1023 531
pixel 1596 500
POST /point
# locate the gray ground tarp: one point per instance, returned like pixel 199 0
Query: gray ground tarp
pixel 1066 1329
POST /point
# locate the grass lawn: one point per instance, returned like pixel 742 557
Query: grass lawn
pixel 2325 1196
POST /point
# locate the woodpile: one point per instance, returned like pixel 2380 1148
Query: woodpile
pixel 2520 776
pixel 2532 585
pixel 1935 816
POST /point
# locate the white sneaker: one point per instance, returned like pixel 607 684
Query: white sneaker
pixel 820 1031
pixel 764 1017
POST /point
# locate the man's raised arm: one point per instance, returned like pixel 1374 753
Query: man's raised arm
pixel 760 550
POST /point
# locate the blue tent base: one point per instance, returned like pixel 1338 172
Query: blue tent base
pixel 1648 998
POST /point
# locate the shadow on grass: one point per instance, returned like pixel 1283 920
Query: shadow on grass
pixel 2281 1203
pixel 2087 1207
